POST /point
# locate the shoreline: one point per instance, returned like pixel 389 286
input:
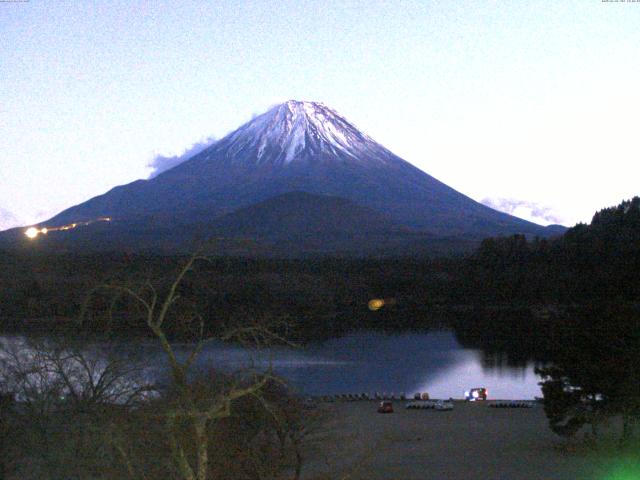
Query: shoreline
pixel 470 441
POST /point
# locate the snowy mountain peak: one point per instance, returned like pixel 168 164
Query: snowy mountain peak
pixel 303 147
pixel 300 131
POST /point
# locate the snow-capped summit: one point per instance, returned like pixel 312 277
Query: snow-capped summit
pixel 298 131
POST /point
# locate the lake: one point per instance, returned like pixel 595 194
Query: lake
pixel 362 362
pixel 368 362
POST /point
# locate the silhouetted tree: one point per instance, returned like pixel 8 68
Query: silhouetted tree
pixel 594 372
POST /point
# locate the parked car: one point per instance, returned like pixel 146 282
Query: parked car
pixel 385 407
pixel 474 394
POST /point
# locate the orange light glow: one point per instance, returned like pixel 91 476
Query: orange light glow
pixel 33 232
pixel 376 304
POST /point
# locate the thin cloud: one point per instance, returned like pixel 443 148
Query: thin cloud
pixel 527 210
pixel 160 163
pixel 8 219
pixel 11 220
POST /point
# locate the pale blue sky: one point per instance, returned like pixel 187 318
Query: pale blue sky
pixel 534 101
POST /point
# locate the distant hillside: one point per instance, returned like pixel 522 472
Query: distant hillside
pixel 300 213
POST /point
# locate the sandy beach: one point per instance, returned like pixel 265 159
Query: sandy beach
pixel 472 441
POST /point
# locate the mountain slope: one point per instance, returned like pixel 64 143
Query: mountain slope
pixel 296 213
pixel 300 223
pixel 292 224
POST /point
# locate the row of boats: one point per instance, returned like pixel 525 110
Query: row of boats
pixel 429 405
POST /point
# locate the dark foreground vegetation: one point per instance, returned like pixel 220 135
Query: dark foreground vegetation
pixel 262 437
pixel 571 304
pixel 74 409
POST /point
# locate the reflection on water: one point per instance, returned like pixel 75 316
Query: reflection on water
pixel 368 362
pixel 374 362
pixel 466 371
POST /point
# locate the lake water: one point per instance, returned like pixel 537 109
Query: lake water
pixel 363 362
pixel 375 362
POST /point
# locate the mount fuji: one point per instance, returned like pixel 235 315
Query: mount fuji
pixel 297 179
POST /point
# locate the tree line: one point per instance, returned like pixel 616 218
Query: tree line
pixel 320 297
pixel 574 308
